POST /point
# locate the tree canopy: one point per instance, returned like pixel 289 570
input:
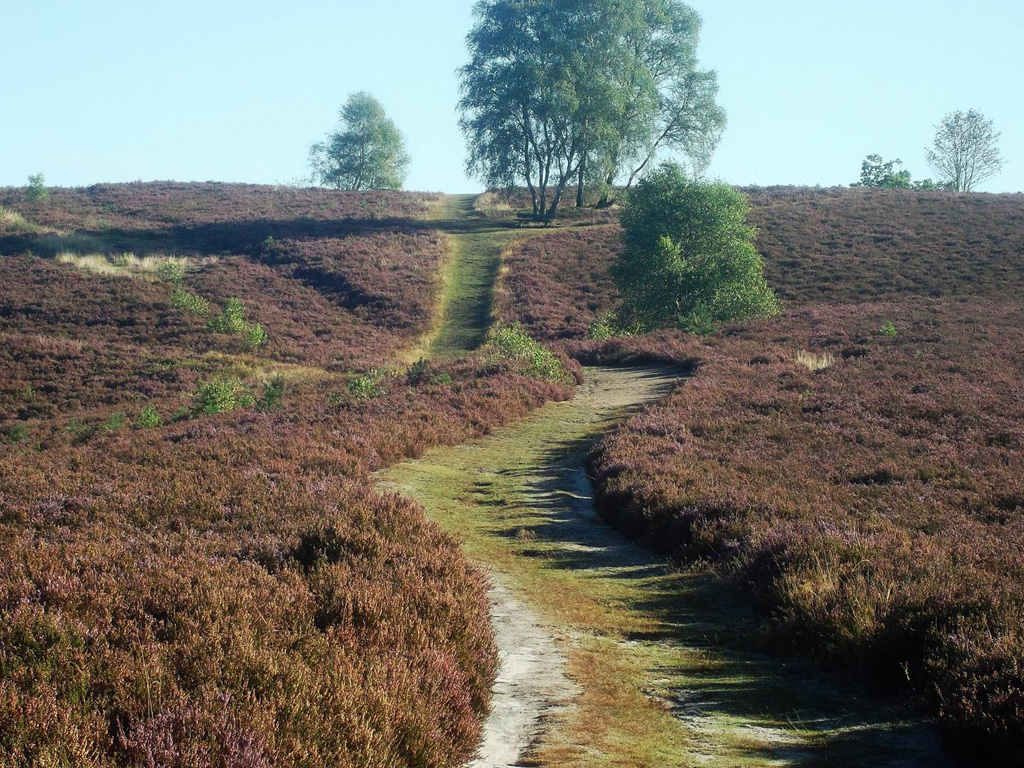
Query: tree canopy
pixel 367 151
pixel 688 255
pixel 565 91
pixel 876 173
pixel 964 152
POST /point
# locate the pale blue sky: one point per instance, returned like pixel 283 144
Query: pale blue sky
pixel 195 90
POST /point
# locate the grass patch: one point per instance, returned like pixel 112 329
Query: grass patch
pixel 128 265
pixel 14 223
pixel 814 362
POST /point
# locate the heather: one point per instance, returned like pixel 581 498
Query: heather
pixel 154 206
pixel 833 246
pixel 197 571
pixel 856 462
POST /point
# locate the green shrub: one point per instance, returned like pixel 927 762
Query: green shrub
pixel 512 344
pixel 418 371
pixel 366 387
pixel 273 395
pixel 699 322
pixel 115 422
pixel 149 418
pixel 189 302
pixel 80 431
pixel 220 395
pixel 603 327
pixel 36 191
pixel 13 434
pixel 253 336
pixel 230 320
pixel 888 329
pixel 687 251
pixel 610 325
pixel 171 271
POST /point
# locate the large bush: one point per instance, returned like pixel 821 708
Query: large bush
pixel 688 252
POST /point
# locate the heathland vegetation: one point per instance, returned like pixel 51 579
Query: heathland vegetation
pixel 198 568
pixel 855 462
pixel 199 381
pixel 195 567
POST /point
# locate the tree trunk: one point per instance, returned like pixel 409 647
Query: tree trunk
pixel 579 188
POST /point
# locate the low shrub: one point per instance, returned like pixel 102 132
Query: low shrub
pixel 115 422
pixel 604 327
pixel 221 394
pixel 273 395
pixel 35 190
pixel 513 345
pixel 15 433
pixel 231 319
pixel 189 302
pixel 368 386
pixel 254 337
pixel 171 271
pixel 149 418
pixel 417 372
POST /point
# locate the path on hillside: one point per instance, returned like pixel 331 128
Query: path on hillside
pixel 468 279
pixel 608 657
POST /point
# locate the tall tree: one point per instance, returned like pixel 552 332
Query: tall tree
pixel 670 103
pixel 964 152
pixel 367 151
pixel 560 91
pixel 519 98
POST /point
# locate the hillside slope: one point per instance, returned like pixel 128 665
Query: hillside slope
pixel 196 569
pixel 856 462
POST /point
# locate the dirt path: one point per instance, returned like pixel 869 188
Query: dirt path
pixel 468 278
pixel 608 657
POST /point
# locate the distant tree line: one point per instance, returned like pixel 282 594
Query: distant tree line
pixel 964 153
pixel 584 92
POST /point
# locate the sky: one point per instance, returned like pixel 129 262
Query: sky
pixel 237 90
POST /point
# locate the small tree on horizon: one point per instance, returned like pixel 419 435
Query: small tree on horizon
pixel 367 151
pixel 875 173
pixel 964 152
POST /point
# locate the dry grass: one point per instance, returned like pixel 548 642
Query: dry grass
pixel 12 222
pixel 125 264
pixel 493 204
pixel 813 361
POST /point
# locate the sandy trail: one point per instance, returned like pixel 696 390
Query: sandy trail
pixel 531 681
pixel 608 657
